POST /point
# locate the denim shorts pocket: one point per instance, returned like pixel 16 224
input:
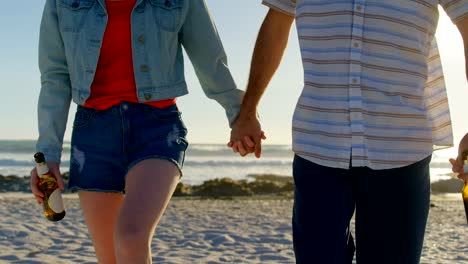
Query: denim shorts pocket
pixel 83 117
pixel 73 14
pixel 168 14
pixel 166 114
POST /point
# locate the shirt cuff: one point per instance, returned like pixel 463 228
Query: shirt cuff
pixel 457 10
pixel 51 155
pixel 287 7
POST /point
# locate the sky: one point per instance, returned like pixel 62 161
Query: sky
pixel 238 23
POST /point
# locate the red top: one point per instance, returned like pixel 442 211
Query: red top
pixel 114 80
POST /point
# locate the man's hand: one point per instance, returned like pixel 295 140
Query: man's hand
pixel 457 164
pixel 54 168
pixel 246 136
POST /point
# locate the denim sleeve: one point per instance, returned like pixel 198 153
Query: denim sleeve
pixel 205 50
pixel 55 95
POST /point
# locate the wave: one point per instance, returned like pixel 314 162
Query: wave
pixel 440 165
pixel 222 150
pixel 23 163
pixel 214 162
pixel 239 163
pixel 17 146
pixel 192 163
pixel 29 146
pixel 24 146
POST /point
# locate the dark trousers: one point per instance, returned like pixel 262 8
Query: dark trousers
pixel 391 208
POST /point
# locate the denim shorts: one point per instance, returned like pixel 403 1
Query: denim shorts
pixel 106 144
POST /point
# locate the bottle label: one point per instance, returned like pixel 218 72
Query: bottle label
pixel 42 170
pixel 56 202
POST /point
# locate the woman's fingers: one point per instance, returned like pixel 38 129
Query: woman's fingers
pixel 56 173
pixel 34 188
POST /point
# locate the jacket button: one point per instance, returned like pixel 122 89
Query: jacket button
pixel 144 68
pixel 141 39
pixel 148 96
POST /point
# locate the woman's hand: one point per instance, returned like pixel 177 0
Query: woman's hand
pixel 54 169
pixel 457 164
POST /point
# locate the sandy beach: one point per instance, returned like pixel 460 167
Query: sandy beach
pixel 238 230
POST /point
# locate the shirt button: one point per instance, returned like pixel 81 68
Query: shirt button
pixel 144 68
pixel 359 8
pixel 141 39
pixel 147 96
pixel 125 107
pixel 355 80
pixel 356 45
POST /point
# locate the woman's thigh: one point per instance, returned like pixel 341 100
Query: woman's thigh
pixel 149 188
pixel 100 211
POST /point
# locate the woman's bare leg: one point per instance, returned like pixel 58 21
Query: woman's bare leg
pixel 100 211
pixel 149 187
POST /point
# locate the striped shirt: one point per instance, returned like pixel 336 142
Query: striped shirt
pixel 374 93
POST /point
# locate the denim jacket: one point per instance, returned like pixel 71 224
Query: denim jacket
pixel 71 34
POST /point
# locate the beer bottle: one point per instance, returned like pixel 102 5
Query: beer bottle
pixel 53 203
pixel 465 187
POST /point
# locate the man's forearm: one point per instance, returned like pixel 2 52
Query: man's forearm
pixel 462 26
pixel 269 48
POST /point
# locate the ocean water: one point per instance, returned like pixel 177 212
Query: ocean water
pixel 202 161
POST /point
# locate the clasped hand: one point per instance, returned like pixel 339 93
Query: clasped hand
pixel 247 136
